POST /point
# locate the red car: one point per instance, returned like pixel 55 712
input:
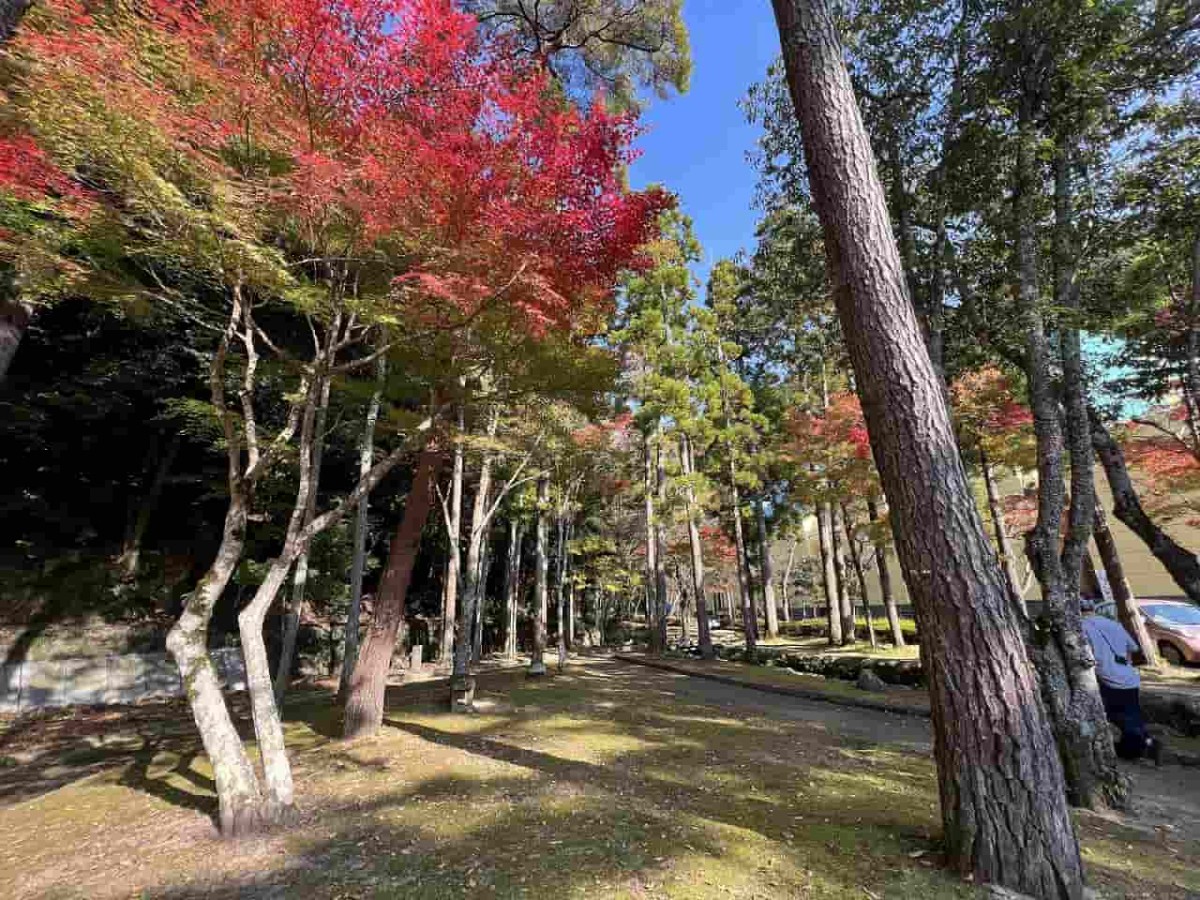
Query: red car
pixel 1175 626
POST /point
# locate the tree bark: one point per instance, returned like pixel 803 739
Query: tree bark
pixel 366 454
pixel 537 664
pixel 131 552
pixel 512 587
pixel 749 618
pixel 314 450
pixel 368 686
pixel 885 582
pixel 1001 783
pixel 860 574
pixel 1008 558
pixel 1114 570
pixel 785 584
pixel 768 576
pixel 660 542
pixel 704 634
pixel 1182 565
pixel 651 548
pixel 453 517
pixel 465 640
pixel 844 603
pixel 563 567
pixel 833 607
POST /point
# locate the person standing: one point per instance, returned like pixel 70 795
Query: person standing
pixel 1116 654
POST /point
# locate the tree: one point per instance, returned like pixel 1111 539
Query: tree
pixel 936 524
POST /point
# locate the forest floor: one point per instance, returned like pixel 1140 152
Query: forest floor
pixel 610 780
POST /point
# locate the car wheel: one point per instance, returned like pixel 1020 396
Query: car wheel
pixel 1171 653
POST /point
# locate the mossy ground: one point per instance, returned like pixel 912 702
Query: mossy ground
pixel 601 782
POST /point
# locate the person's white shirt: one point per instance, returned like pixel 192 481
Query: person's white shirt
pixel 1111 641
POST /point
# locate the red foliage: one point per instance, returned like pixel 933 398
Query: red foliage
pixel 28 174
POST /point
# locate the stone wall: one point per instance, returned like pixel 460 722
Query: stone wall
pixel 104 680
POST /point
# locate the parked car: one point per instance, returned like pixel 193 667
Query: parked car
pixel 1174 625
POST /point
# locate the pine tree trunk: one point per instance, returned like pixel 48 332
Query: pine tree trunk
pixel 366 454
pixel 368 686
pixel 1182 565
pixel 785 584
pixel 512 587
pixel 1127 608
pixel 537 664
pixel 845 604
pixel 768 576
pixel 885 582
pixel 660 543
pixel 833 607
pixel 1008 558
pixel 704 635
pixel 651 549
pixel 749 619
pixel 1001 783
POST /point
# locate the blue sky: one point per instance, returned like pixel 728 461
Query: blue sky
pixel 696 144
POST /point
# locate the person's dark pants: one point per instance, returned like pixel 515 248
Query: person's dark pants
pixel 1124 710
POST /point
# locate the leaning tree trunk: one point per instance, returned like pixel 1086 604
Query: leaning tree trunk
pixel 368 686
pixel 844 604
pixel 238 794
pixel 882 560
pixel 1008 558
pixel 512 587
pixel 1182 565
pixel 768 576
pixel 860 574
pixel 358 564
pixel 537 662
pixel 1114 570
pixel 833 608
pixel 1001 783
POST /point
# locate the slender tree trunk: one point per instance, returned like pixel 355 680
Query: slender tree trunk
pixel 859 573
pixel 651 550
pixel 358 564
pixel 882 559
pixel 660 543
pixel 462 686
pixel 768 575
pixel 845 604
pixel 1114 570
pixel 315 451
pixel 563 567
pixel 512 587
pixel 1182 565
pixel 749 619
pixel 537 665
pixel 454 539
pixel 368 686
pixel 485 567
pixel 785 584
pixel 1001 783
pixel 1008 558
pixel 833 606
pixel 131 552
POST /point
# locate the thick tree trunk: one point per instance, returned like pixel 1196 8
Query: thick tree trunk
pixel 1008 558
pixel 768 576
pixel 1114 570
pixel 238 794
pixel 358 564
pixel 315 451
pixel 512 587
pixel 453 518
pixel 368 686
pixel 882 559
pixel 860 574
pixel 844 603
pixel 131 551
pixel 1182 565
pixel 660 542
pixel 537 663
pixel 749 619
pixel 1002 790
pixel 833 606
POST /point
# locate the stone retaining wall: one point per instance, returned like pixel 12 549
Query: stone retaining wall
pixel 104 680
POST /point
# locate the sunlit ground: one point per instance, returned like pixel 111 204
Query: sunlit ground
pixel 597 783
